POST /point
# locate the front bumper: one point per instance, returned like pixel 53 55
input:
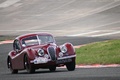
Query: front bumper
pixel 43 60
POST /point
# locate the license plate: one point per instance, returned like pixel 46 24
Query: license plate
pixel 63 61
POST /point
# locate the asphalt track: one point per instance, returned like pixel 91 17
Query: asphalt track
pixel 75 21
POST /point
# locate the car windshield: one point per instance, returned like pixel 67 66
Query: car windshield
pixel 36 40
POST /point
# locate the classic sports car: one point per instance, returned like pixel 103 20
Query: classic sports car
pixel 39 50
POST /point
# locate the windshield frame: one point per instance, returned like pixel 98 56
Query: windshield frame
pixel 38 40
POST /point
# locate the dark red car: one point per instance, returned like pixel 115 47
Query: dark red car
pixel 39 50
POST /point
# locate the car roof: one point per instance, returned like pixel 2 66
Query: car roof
pixel 31 34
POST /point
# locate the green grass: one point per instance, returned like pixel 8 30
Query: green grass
pixel 106 52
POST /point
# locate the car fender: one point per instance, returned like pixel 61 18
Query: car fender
pixel 30 53
pixel 12 54
pixel 70 48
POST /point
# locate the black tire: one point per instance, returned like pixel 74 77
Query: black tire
pixel 13 71
pixel 52 68
pixel 27 65
pixel 71 66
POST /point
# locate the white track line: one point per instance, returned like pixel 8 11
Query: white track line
pixel 28 30
pixel 96 35
pixel 82 34
pixel 111 33
pixel 8 3
pixel 91 12
pixel 107 24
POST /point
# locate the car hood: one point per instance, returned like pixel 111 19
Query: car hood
pixel 43 46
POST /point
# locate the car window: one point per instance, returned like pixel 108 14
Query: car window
pixel 36 40
pixel 45 39
pixel 16 45
pixel 32 40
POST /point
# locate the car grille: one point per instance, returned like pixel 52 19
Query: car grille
pixel 52 53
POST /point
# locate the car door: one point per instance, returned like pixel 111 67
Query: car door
pixel 18 58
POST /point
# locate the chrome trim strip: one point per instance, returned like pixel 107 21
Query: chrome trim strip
pixel 67 57
pixel 38 39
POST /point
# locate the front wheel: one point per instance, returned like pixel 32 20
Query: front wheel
pixel 13 71
pixel 28 66
pixel 71 66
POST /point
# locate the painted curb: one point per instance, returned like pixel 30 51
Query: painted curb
pixel 77 66
pixel 6 42
pixel 96 66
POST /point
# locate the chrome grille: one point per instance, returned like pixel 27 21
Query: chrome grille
pixel 52 53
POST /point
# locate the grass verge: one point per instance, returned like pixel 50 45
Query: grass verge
pixel 106 52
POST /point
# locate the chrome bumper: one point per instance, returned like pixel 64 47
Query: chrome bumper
pixel 42 60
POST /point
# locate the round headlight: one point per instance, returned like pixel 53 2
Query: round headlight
pixel 41 52
pixel 63 49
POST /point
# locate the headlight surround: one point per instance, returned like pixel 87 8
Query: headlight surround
pixel 40 52
pixel 63 49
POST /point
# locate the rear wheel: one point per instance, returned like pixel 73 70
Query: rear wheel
pixel 13 71
pixel 52 68
pixel 71 66
pixel 28 66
